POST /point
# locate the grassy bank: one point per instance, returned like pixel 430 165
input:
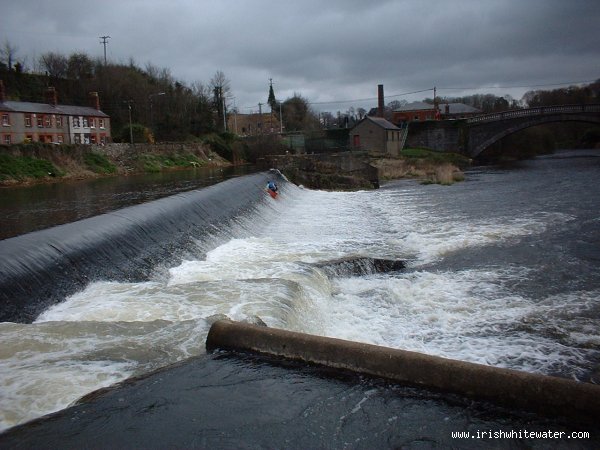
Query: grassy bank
pixel 21 168
pixel 35 163
pixel 427 165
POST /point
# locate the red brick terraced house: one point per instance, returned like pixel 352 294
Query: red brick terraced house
pixel 420 111
pixel 51 122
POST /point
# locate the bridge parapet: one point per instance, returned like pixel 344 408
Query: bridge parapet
pixel 539 111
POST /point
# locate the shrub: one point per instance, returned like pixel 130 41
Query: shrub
pixel 436 156
pixel 219 145
pixel 155 163
pixel 99 163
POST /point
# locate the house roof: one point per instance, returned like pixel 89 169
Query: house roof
pixel 46 108
pixel 458 108
pixel 415 106
pixel 383 123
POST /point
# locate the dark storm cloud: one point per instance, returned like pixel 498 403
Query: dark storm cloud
pixel 327 50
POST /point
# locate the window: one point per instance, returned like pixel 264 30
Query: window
pixel 77 138
pixel 28 120
pixel 75 122
pixel 60 139
pixel 48 121
pixel 85 122
pixel 92 122
pixel 28 138
pixel 6 139
pixel 101 123
pixel 5 120
pixel 59 121
pixel 40 121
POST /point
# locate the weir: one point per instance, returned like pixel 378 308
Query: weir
pixel 39 269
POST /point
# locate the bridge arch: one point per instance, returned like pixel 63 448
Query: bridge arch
pixel 484 131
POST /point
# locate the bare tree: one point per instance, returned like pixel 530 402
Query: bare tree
pixel 54 64
pixel 220 80
pixel 9 53
pixel 221 88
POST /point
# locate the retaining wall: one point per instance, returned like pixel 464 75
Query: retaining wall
pixel 511 388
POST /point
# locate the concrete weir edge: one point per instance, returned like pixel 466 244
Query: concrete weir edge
pixel 547 395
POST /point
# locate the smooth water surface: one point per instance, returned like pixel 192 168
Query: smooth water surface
pixel 30 208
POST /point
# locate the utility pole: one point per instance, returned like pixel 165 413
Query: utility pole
pixel 224 110
pixel 260 117
pixel 280 119
pixel 104 41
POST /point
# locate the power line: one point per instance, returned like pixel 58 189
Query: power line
pixel 516 87
pixel 370 98
pixel 332 102
pixel 356 100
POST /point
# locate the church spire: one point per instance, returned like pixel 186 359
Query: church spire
pixel 271 101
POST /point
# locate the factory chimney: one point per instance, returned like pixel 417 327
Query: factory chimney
pixel 380 100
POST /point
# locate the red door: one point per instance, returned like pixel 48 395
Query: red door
pixel 356 141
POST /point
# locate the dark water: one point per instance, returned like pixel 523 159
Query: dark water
pixel 30 208
pixel 237 401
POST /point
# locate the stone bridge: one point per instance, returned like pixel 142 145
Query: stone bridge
pixel 472 136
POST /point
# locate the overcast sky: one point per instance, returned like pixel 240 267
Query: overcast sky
pixel 326 50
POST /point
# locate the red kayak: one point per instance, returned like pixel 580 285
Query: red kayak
pixel 272 193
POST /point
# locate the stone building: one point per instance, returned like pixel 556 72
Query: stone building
pixel 377 136
pixel 253 124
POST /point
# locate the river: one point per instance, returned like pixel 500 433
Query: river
pixel 39 206
pixel 502 269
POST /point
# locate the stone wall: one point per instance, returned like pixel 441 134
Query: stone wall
pixel 326 170
pixel 448 136
pixel 118 151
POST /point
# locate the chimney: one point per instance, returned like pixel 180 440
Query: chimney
pixel 51 97
pixel 380 103
pixel 2 92
pixel 95 100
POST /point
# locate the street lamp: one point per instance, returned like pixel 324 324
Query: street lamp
pixel 129 102
pixel 151 111
pixel 234 113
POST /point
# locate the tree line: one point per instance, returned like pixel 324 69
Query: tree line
pixel 160 105
pixel 168 108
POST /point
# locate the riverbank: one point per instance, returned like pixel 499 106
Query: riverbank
pixel 46 163
pixel 38 163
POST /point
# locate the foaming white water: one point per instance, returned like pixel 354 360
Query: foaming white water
pixel 262 268
pixel 45 367
pixel 470 316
